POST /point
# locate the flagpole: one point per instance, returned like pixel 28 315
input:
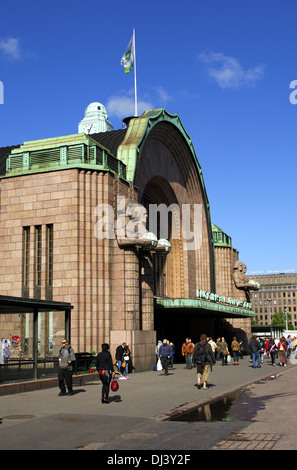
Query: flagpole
pixel 135 86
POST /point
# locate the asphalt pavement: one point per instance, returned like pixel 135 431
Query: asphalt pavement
pixel 160 415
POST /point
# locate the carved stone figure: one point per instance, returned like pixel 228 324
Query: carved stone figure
pixel 241 281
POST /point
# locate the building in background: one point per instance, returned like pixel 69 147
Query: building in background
pixel 277 293
pixel 73 230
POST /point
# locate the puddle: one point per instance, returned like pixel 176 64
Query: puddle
pixel 237 406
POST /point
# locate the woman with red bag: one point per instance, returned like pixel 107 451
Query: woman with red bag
pixel 104 366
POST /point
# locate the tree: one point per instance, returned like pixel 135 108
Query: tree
pixel 255 320
pixel 279 319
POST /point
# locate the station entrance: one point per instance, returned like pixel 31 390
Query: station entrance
pixel 177 324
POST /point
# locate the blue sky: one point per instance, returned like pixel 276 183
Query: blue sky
pixel 224 66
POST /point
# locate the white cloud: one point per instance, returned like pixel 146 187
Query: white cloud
pixel 122 106
pixel 163 95
pixel 11 48
pixel 228 72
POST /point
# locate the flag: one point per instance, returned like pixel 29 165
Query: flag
pixel 129 56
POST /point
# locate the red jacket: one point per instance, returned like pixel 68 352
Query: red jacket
pixel 283 344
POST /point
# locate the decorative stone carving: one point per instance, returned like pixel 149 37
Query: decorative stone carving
pixel 241 281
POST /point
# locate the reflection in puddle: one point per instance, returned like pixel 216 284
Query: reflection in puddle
pixel 237 406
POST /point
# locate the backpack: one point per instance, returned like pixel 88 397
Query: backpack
pixel 200 354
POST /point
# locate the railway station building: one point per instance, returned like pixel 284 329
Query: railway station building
pixel 117 224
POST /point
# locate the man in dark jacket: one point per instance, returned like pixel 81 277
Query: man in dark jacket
pixel 66 358
pixel 255 348
pixel 119 357
pixel 203 358
pixel 164 354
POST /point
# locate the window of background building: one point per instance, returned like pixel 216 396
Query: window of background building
pixel 49 261
pixel 26 261
pixel 37 261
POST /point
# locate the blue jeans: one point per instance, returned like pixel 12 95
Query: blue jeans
pixel 235 356
pixel 119 366
pixel 256 357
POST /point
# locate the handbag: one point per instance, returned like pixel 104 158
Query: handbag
pixel 114 385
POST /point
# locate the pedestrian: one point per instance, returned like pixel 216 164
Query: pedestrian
pixel 104 366
pixel 164 355
pixel 127 359
pixel 241 349
pixel 218 355
pixel 172 354
pixel 119 357
pixel 282 349
pixel 191 346
pixel 187 351
pixel 203 358
pixel 157 348
pixel 213 345
pixel 66 359
pixel 267 346
pixel 272 351
pixel 262 350
pixel 224 351
pixel 289 344
pixel 276 343
pixel 235 350
pixel 255 351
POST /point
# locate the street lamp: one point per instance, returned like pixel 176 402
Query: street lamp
pixel 269 300
pixel 269 306
pixel 285 308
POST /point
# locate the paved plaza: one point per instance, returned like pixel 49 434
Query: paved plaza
pixel 136 419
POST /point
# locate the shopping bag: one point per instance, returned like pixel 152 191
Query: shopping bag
pixel 228 358
pixel 159 365
pixel 114 385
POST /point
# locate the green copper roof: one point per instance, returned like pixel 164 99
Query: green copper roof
pixel 220 238
pixel 139 128
pixel 71 151
pixel 224 310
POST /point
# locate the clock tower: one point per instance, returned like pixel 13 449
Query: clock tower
pixel 95 120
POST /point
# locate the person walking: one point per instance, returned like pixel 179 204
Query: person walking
pixel 66 358
pixel 282 349
pixel 127 359
pixel 289 346
pixel 187 351
pixel 119 357
pixel 213 345
pixel 235 350
pixel 255 348
pixel 164 355
pixel 262 350
pixel 104 366
pixel 203 358
pixel 157 348
pixel 224 351
pixel 191 346
pixel 218 354
pixel 272 351
pixel 172 354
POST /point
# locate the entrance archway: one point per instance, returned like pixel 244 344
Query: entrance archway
pixel 161 203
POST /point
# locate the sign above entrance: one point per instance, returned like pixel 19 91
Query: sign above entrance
pixel 201 294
